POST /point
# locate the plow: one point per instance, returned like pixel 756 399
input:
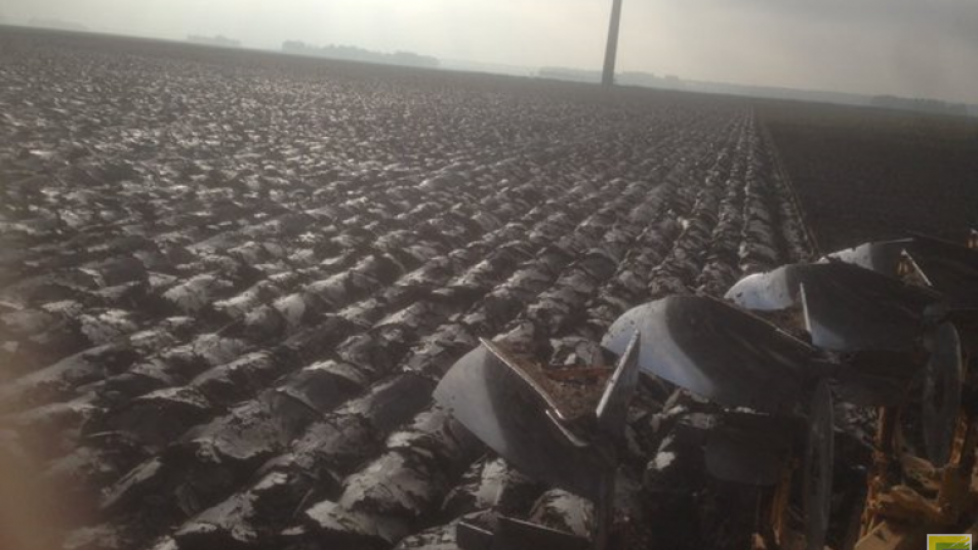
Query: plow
pixel 889 328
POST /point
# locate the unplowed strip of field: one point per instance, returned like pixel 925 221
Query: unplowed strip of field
pixel 868 175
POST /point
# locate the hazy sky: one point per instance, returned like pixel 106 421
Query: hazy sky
pixel 918 48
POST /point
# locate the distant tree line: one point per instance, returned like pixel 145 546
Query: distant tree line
pixel 218 40
pixel 354 53
pixel 58 24
pixel 922 105
pixel 575 75
pixel 670 82
pixel 626 78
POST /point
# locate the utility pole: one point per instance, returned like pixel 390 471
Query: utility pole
pixel 611 52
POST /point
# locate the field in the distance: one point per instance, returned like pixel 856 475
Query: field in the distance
pixel 229 282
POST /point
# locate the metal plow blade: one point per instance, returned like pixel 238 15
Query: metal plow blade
pixel 884 257
pixel 947 267
pixel 846 308
pixel 511 414
pixel 717 351
pixel 613 407
pixel 490 394
pixel 950 268
pixel 738 360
